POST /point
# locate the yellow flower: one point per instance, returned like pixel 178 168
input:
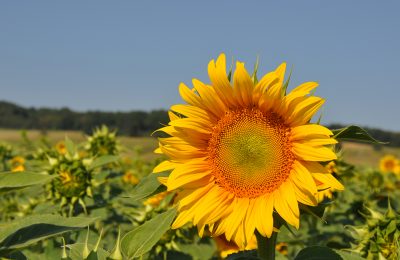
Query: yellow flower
pixel 331 167
pixel 60 147
pixel 18 168
pixel 240 152
pixel 389 163
pixel 155 200
pixel 226 247
pixel 129 177
pixel 18 164
pixel 17 160
pixel 282 248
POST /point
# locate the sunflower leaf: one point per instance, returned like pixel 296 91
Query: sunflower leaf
pixel 354 133
pixel 70 146
pixel 147 186
pixel 23 232
pixel 244 255
pixel 318 253
pixel 17 180
pixel 141 239
pixel 103 160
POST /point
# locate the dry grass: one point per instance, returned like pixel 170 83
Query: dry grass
pixel 145 145
pixel 366 154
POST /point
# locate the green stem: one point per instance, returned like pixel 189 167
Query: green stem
pixel 266 246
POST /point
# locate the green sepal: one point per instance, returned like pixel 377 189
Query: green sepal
pixel 354 133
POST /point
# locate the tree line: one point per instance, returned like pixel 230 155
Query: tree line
pixel 133 123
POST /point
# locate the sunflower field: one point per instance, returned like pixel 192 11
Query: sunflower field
pixel 243 170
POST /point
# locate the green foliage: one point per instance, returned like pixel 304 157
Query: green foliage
pixel 10 181
pixel 23 232
pixel 102 161
pixel 116 191
pixel 147 186
pixel 318 253
pixel 354 133
pixel 380 235
pixel 141 239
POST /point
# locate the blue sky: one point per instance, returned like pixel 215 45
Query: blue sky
pixel 125 55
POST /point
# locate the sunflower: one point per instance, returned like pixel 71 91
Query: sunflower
pixel 238 152
pixel 389 163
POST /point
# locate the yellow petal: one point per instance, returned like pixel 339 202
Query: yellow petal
pixel 286 204
pixel 243 85
pixel 328 181
pixel 219 80
pixel 250 221
pixel 275 91
pixel 172 116
pixel 264 207
pixel 303 131
pixel 236 217
pixel 191 196
pixel 318 141
pixel 210 99
pixel 192 111
pixel 304 111
pixel 310 153
pixel 164 166
pixel 197 125
pixel 182 176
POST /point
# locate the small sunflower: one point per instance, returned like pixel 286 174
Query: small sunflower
pixel 129 177
pixel 60 147
pixel 18 164
pixel 389 163
pixel 240 151
pixel 155 200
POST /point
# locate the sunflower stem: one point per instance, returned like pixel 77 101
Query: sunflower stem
pixel 266 246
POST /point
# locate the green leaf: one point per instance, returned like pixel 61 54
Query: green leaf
pixel 318 253
pixel 18 180
pixel 147 186
pixel 77 249
pixel 103 160
pixel 244 255
pixel 70 146
pixel 29 230
pixel 354 133
pixel 254 75
pixel 286 84
pixel 317 211
pixel 142 238
pixel 202 251
pixel 348 255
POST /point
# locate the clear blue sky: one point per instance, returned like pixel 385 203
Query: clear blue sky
pixel 125 55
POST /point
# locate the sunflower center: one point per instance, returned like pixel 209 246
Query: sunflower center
pixel 250 152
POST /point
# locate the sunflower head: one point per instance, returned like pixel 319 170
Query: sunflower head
pixel 73 180
pixel 241 150
pixel 61 148
pixel 17 164
pixel 389 163
pixel 130 178
pixel 102 142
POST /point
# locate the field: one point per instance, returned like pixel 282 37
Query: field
pixel 355 153
pixel 67 195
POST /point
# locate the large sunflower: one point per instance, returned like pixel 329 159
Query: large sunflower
pixel 240 151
